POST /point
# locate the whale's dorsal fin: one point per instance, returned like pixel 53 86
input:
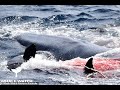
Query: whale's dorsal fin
pixel 29 52
pixel 89 67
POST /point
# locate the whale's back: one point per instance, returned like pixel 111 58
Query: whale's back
pixel 61 47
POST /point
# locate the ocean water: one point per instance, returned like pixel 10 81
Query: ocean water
pixel 98 24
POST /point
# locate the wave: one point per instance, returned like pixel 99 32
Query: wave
pixel 57 19
pixel 84 19
pixel 92 19
pixel 61 17
pixel 50 9
pixel 84 14
pixel 105 10
pixel 16 19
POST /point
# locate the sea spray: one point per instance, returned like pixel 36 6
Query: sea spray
pixel 16 71
pixel 40 62
pixel 3 65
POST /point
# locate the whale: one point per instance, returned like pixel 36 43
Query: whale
pixel 63 48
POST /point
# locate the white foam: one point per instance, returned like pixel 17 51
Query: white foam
pixel 3 65
pixel 114 53
pixel 39 62
pixel 109 36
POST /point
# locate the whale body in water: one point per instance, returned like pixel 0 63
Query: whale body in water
pixel 62 48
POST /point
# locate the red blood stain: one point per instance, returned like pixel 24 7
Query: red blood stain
pixel 100 64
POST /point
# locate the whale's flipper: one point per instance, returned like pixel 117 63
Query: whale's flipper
pixel 29 52
pixel 89 67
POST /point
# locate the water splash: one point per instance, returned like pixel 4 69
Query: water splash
pixel 16 71
pixel 40 62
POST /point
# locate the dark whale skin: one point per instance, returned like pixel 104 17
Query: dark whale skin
pixel 63 48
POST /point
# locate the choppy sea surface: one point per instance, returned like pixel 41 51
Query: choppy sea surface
pixel 98 24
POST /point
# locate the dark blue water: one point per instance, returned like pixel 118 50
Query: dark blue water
pixel 99 24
